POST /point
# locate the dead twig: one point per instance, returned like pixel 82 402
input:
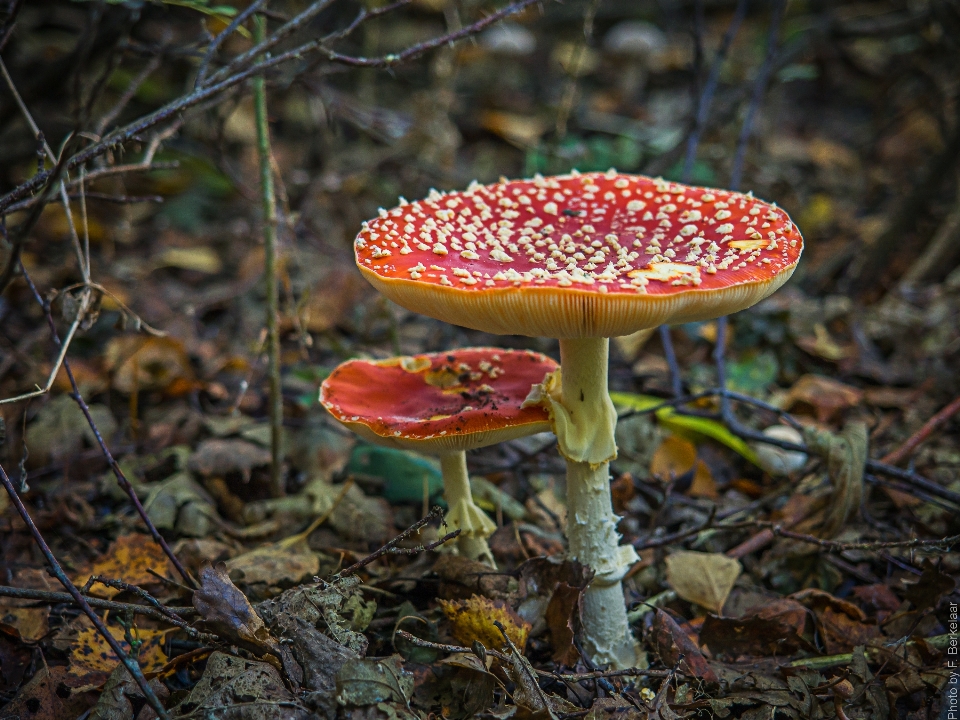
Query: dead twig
pixel 436 513
pixel 705 99
pixel 114 465
pixel 127 661
pixel 569 677
pixel 921 435
pixel 269 203
pixel 759 88
pixel 51 597
pixel 223 35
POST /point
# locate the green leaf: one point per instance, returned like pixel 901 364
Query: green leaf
pixel 403 473
pixel 202 7
pixel 669 418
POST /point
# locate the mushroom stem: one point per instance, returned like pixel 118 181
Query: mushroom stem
pixel 464 514
pixel 591 522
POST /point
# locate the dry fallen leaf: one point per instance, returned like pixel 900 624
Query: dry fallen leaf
pixel 673 458
pixel 90 653
pixel 129 558
pixel 827 396
pixel 522 130
pixel 274 565
pixel 147 363
pixel 227 611
pixel 777 627
pixel 703 484
pixel 472 619
pixel 216 457
pixel 673 643
pixel 702 578
pixel 841 625
pixel 30 623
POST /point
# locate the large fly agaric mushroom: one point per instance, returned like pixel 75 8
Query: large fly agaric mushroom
pixel 443 404
pixel 581 258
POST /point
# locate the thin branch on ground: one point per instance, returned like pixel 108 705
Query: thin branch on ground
pixel 269 205
pixel 436 513
pixel 568 677
pixel 54 598
pixel 114 465
pixel 705 100
pixel 126 660
pixel 759 89
pixel 921 435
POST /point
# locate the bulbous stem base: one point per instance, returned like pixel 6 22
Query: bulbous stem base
pixel 464 514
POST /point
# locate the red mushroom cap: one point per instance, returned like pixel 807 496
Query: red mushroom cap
pixel 441 402
pixel 591 255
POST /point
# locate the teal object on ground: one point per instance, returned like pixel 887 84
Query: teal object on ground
pixel 403 473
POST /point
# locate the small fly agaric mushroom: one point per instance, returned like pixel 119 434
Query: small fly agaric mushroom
pixel 443 404
pixel 582 258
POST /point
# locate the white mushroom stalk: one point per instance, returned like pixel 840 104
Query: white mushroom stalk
pixel 591 522
pixel 584 420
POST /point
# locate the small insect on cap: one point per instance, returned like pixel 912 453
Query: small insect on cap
pixel 442 402
pixel 573 256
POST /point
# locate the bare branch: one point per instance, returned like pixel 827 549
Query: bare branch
pixel 128 662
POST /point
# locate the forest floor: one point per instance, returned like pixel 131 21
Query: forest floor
pixel 771 583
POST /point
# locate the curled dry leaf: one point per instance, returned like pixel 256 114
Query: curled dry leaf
pixel 846 453
pixel 672 642
pixel 228 613
pixel 473 620
pixel 552 602
pixel 775 628
pixel 702 578
pixel 141 362
pixel 841 625
pixel 826 396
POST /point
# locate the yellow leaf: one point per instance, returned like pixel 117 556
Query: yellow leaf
pixel 674 457
pixel 199 258
pixel 127 559
pixel 703 483
pixel 522 130
pixel 684 424
pixel 472 619
pixel 30 623
pixel 91 653
pixel 702 578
